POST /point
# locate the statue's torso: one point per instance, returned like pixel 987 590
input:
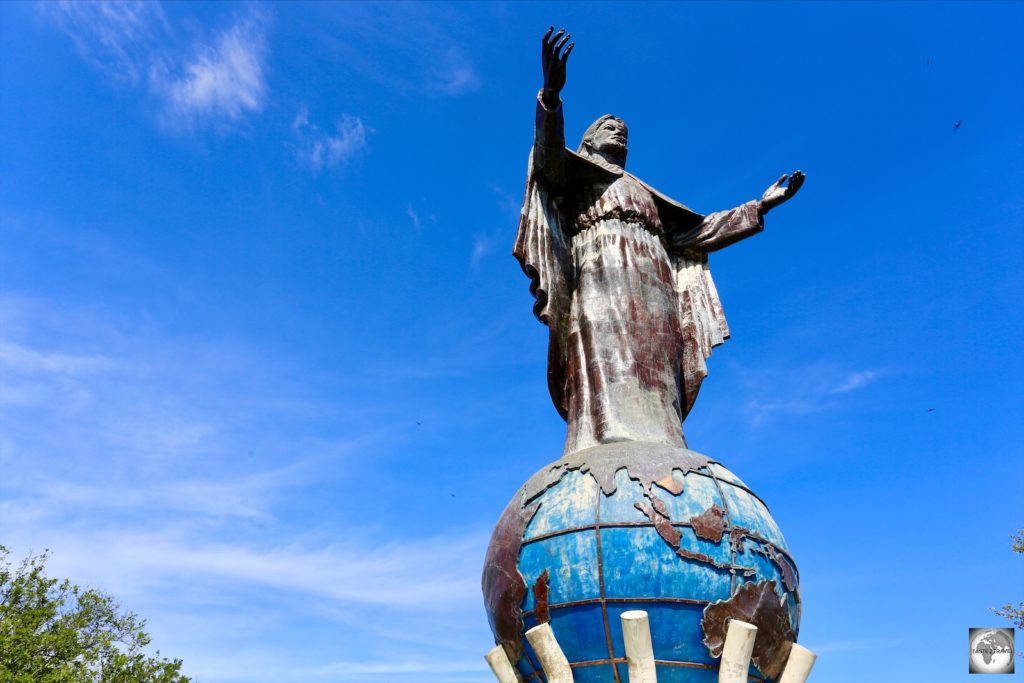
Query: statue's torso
pixel 622 198
pixel 625 340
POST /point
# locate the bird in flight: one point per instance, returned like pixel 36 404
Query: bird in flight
pixel 956 126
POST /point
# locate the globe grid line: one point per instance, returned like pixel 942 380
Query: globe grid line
pixel 710 474
pixel 749 533
pixel 600 583
pixel 728 520
pixel 733 533
pixel 597 525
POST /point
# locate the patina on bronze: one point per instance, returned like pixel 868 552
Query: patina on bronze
pixel 620 276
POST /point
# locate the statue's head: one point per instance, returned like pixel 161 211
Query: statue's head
pixel 606 137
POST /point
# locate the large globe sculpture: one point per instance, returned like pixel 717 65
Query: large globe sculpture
pixel 628 526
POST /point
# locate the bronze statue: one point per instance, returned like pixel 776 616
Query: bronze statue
pixel 620 275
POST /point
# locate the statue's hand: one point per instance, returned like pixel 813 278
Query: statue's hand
pixel 553 64
pixel 777 194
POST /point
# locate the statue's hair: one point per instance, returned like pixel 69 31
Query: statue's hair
pixel 588 135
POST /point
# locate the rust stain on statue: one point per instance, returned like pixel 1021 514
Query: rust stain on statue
pixel 757 604
pixel 658 513
pixel 786 568
pixel 645 463
pixel 540 598
pixel 662 524
pixel 710 524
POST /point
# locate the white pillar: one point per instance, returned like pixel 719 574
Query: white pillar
pixel 636 633
pixel 552 660
pixel 798 666
pixel 502 668
pixel 739 644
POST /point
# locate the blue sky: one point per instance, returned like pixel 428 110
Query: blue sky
pixel 268 372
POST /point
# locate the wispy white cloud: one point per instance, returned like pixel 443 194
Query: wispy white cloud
pixel 145 488
pixel 761 410
pixel 855 380
pixel 247 496
pixel 481 245
pixel 213 79
pixel 319 150
pixel 507 204
pixel 413 217
pixel 409 47
pixel 116 37
pixel 224 80
pixel 408 574
pixel 454 75
pixel 432 667
pixel 804 390
pixel 39 361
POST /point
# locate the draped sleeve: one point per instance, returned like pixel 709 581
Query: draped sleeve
pixel 701 315
pixel 542 245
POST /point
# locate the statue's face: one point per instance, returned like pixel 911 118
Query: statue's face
pixel 611 136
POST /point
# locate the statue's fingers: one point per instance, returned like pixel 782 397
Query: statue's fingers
pixel 562 42
pixel 565 55
pixel 782 179
pixel 545 49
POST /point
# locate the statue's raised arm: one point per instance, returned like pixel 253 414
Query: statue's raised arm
pixel 549 135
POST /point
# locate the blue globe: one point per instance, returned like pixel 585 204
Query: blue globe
pixel 628 526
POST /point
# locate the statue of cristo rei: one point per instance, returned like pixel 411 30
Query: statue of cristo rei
pixel 620 276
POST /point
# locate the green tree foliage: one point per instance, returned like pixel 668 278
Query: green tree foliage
pixel 52 631
pixel 1014 614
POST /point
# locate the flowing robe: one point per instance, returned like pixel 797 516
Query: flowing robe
pixel 620 276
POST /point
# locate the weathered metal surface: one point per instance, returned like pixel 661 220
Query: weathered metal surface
pixel 673 536
pixel 503 585
pixel 758 604
pixel 765 547
pixel 540 598
pixel 647 463
pixel 663 524
pixel 710 524
pixel 620 277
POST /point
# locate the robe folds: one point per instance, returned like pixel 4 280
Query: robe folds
pixel 619 273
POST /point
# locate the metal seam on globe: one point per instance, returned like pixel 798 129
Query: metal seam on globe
pixel 746 488
pixel 595 601
pixel 600 585
pixel 728 519
pixel 749 533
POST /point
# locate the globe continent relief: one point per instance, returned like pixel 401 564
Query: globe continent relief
pixel 630 526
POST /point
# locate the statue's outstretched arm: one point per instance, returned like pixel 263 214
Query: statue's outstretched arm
pixel 719 230
pixel 549 139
